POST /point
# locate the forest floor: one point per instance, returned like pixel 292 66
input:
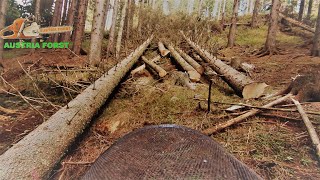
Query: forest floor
pixel 274 144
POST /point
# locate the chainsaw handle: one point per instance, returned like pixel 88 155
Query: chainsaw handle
pixel 6 29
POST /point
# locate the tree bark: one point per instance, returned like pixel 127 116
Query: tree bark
pixel 309 10
pixel 297 23
pixel 110 47
pixel 70 19
pixel 121 27
pixel 94 57
pixel 254 21
pixel 3 12
pixel 241 118
pixel 80 25
pixel 65 11
pixel 233 27
pixel 301 10
pixel 310 128
pixel 36 154
pixel 129 23
pixel 270 45
pixel 191 61
pixel 142 67
pixel 37 18
pixel 193 74
pixel 56 19
pixel 315 51
pixel 163 50
pixel 243 85
pixel 162 73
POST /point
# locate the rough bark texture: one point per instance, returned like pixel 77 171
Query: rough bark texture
pixel 233 27
pixel 193 74
pixel 297 23
pixel 302 2
pixel 110 47
pixel 121 27
pixel 315 51
pixel 80 25
pixel 191 61
pixel 70 20
pixel 94 57
pixel 241 118
pixel 36 154
pixel 243 85
pixel 254 21
pixel 3 11
pixel 56 19
pixel 309 10
pixel 129 23
pixel 154 66
pixel 270 45
pixel 65 11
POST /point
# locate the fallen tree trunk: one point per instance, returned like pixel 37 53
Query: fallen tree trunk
pixel 37 153
pixel 193 74
pixel 310 128
pixel 154 66
pixel 191 61
pixel 243 85
pixel 163 51
pixel 143 66
pixel 242 117
pixel 297 23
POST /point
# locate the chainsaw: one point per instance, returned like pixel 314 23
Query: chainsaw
pixel 26 28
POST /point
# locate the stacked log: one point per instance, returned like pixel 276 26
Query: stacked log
pixel 37 153
pixel 154 66
pixel 191 61
pixel 243 85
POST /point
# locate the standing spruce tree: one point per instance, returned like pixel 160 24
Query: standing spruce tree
pixel 80 25
pixel 315 50
pixel 233 27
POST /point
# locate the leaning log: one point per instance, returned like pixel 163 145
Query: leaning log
pixel 37 153
pixel 243 85
pixel 193 74
pixel 191 61
pixel 243 117
pixel 155 67
pixel 163 51
pixel 297 23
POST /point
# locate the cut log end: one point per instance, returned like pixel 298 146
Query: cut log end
pixel 164 52
pixel 254 90
pixel 194 76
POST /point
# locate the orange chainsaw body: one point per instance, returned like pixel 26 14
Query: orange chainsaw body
pixel 16 28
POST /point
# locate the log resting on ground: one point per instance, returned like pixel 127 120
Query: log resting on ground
pixel 193 74
pixel 143 66
pixel 297 23
pixel 163 51
pixel 191 61
pixel 36 154
pixel 243 85
pixel 154 66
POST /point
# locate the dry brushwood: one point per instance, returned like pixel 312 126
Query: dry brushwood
pixel 242 117
pixel 310 128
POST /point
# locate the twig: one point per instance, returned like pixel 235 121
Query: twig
pixel 77 163
pixel 37 100
pixel 261 107
pixel 241 118
pixel 312 132
pixel 37 88
pixel 209 97
pixel 24 99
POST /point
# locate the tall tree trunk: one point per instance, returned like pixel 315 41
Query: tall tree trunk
pixel 254 21
pixel 80 25
pixel 270 45
pixel 233 27
pixel 110 47
pixel 65 11
pixel 153 4
pixel 94 57
pixel 121 27
pixel 70 19
pixel 200 7
pixel 37 18
pixel 109 15
pixel 165 7
pixel 315 51
pixel 56 19
pixel 190 6
pixel 106 14
pixel 3 12
pixel 309 10
pixel 302 2
pixel 129 23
